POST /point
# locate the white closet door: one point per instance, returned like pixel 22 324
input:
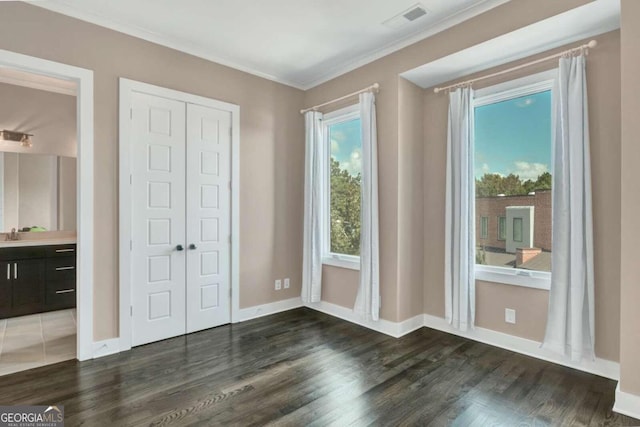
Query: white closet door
pixel 208 217
pixel 158 218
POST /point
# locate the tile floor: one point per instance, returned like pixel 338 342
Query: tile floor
pixel 38 339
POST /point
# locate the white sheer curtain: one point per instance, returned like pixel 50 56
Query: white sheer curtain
pixel 312 250
pixel 570 323
pixel 368 298
pixel 460 213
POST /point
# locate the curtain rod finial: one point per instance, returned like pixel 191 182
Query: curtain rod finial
pixel 592 44
pixel 376 86
pixel 436 90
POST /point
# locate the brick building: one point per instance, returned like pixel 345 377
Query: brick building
pixel 491 215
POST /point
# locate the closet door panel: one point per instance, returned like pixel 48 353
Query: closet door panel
pixel 208 217
pixel 158 218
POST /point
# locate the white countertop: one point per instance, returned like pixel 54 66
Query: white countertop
pixel 37 242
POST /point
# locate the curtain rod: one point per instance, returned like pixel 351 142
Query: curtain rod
pixel 590 45
pixel 373 88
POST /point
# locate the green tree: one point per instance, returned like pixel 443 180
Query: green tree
pixel 492 184
pixel 345 210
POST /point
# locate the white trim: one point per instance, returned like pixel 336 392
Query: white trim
pixel 627 404
pixel 342 261
pixel 256 311
pixel 308 83
pixel 602 367
pixel 514 276
pixel 127 87
pixel 46 86
pixel 84 281
pixel 394 329
pixel 106 347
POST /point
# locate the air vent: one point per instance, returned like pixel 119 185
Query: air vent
pixel 414 13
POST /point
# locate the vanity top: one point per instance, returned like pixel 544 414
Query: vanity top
pixel 37 242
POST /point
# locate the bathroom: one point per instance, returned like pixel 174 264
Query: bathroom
pixel 38 217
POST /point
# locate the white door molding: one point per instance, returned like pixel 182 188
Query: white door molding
pixel 84 280
pixel 127 88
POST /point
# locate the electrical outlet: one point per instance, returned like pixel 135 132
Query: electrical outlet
pixel 510 315
pixel 287 283
pixel 278 284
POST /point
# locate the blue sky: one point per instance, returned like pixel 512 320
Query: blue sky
pixel 514 136
pixel 346 145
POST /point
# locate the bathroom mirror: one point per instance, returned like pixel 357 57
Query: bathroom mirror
pixel 38 192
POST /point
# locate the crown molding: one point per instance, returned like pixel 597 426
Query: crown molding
pixel 59 6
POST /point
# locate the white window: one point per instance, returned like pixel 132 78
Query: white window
pixel 513 140
pixel 342 180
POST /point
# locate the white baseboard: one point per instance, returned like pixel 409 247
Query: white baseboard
pixel 106 347
pixel 604 368
pixel 394 329
pixel 627 404
pixel 267 309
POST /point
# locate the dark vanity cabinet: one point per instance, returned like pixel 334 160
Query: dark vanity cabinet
pixel 34 279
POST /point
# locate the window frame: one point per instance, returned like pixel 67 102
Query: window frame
pixel 502 237
pixel 516 88
pixel 351 262
pixel 484 233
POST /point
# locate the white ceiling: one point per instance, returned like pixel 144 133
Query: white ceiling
pixel 301 43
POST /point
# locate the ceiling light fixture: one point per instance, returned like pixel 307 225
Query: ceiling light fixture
pixel 20 137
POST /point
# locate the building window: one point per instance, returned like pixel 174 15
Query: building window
pixel 512 160
pixel 343 168
pixel 502 228
pixel 484 227
pixel 517 229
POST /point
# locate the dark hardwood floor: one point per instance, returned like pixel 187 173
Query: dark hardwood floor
pixel 304 368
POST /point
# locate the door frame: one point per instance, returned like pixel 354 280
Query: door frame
pixel 127 88
pixel 85 237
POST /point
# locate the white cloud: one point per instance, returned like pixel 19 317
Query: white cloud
pixel 524 103
pixel 485 168
pixel 530 171
pixel 354 164
pixel 335 147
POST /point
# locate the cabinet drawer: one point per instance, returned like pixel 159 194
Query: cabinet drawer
pixel 61 268
pixel 15 253
pixel 62 295
pixel 60 250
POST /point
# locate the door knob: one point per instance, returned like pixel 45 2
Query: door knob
pixel 193 246
pixel 180 248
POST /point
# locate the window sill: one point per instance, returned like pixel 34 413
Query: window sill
pixel 513 276
pixel 342 263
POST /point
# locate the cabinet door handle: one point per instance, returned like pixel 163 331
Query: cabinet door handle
pixel 64 250
pixel 8 271
pixel 65 291
pixel 64 268
pixel 15 270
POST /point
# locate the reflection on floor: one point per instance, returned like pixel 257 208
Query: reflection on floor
pixel 36 340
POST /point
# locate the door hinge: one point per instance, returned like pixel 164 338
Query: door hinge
pixel 131 310
pixel 130 245
pixel 131 113
pixel 130 179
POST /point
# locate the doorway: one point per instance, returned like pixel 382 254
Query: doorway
pixel 59 272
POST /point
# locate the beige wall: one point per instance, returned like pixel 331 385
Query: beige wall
pixel 410 205
pixel 603 79
pixel 271 152
pixel 340 284
pixel 630 274
pixel 50 117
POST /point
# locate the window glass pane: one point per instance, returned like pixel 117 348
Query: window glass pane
pixel 512 163
pixel 502 228
pixel 345 179
pixel 484 227
pixel 517 229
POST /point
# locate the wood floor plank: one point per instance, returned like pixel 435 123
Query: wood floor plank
pixel 304 368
